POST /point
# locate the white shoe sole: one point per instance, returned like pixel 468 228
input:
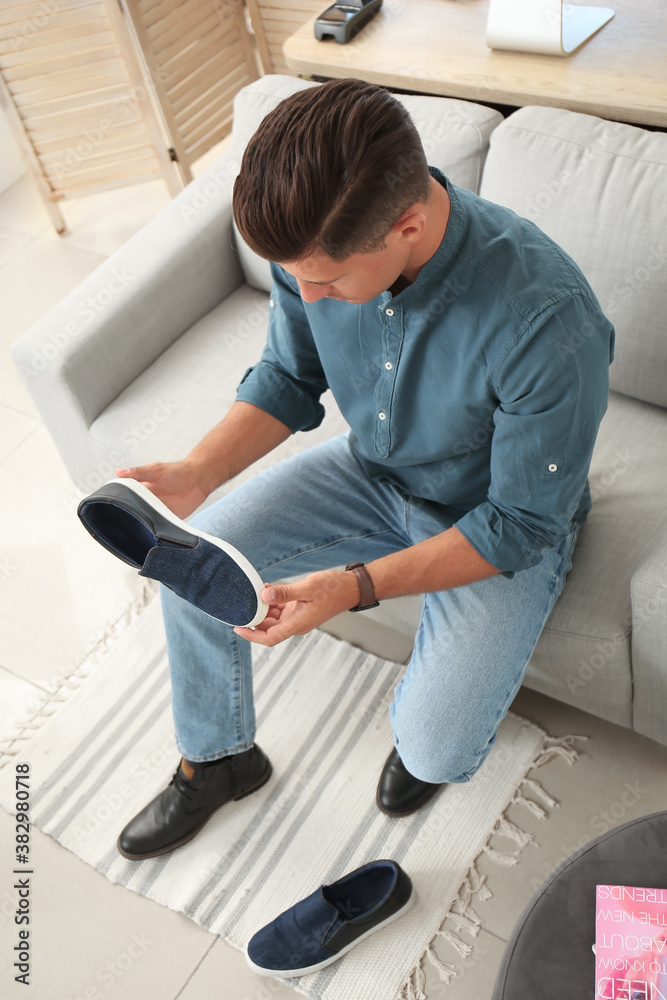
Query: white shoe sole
pixel 291 973
pixel 238 557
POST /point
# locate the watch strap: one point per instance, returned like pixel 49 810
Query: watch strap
pixel 366 588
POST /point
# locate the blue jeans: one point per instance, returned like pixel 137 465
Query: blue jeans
pixel 318 510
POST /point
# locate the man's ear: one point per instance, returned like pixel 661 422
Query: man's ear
pixel 411 225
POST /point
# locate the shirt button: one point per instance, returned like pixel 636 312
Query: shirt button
pixel 382 416
pixel 389 312
pixel 388 365
pixel 271 303
pixel 553 467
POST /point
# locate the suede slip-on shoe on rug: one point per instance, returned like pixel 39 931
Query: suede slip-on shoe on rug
pixel 323 927
pixel 132 523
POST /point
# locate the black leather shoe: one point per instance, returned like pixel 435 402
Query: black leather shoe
pixel 180 811
pixel 399 793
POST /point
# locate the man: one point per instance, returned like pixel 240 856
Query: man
pixel 443 325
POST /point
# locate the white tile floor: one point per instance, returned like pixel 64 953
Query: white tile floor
pixel 95 940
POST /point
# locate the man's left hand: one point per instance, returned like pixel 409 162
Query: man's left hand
pixel 299 607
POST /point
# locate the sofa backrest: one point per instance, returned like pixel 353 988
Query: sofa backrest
pixel 455 135
pixel 599 188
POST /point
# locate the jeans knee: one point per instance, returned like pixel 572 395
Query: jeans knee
pixel 440 760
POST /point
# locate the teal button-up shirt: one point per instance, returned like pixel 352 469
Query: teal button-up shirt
pixel 477 390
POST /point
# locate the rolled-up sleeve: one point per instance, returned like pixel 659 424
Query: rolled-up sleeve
pixel 552 387
pixel 288 380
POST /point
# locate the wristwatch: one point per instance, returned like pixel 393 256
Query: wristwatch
pixel 366 589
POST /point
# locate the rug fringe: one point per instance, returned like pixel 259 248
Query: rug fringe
pixel 58 690
pixel 506 828
pixel 420 983
pixel 465 922
pixel 461 913
pixel 413 988
pixel 445 971
pixel 501 857
pixel 478 886
pixel 538 790
pixel 520 799
pixel 464 949
pixel 559 746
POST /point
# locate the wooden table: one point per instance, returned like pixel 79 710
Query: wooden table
pixel 439 47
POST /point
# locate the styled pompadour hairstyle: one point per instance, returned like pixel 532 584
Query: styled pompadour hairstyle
pixel 332 168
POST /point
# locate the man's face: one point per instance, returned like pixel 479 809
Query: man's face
pixel 361 277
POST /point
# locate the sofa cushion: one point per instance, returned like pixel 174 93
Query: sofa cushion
pixel 584 654
pixel 164 412
pixel 599 188
pixel 455 135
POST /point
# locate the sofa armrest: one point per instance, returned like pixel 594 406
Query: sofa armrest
pixel 89 348
pixel 649 645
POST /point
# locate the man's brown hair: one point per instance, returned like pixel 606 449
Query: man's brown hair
pixel 332 168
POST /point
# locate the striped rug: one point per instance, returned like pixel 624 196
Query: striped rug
pixel 102 746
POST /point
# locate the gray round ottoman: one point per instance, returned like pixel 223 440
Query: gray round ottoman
pixel 549 955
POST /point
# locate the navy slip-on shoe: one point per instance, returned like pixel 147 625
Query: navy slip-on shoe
pixel 322 927
pixel 132 523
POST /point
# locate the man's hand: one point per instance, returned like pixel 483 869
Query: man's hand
pixel 302 606
pixel 174 483
pixel 244 435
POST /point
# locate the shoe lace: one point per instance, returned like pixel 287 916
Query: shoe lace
pixel 182 785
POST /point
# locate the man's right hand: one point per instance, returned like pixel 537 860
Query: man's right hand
pixel 174 483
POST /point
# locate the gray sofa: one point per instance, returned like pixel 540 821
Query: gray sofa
pixel 145 355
